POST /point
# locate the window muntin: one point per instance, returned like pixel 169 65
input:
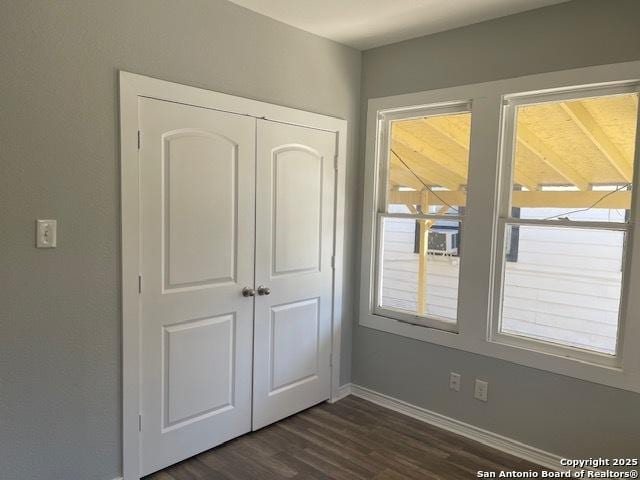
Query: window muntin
pixel 571 165
pixel 425 173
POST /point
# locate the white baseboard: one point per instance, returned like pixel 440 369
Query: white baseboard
pixel 343 391
pixel 490 439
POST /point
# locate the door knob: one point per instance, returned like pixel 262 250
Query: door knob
pixel 248 292
pixel 262 290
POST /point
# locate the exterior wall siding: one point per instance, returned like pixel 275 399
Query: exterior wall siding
pixel 561 287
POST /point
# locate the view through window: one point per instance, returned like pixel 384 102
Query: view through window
pixel 570 210
pixel 422 224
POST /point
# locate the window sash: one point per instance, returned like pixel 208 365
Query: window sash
pixel 421 216
pixel 582 225
pixel 522 341
pixel 384 154
pixel 571 93
pixel 426 320
pixel 383 158
pixel 511 102
pixel 504 219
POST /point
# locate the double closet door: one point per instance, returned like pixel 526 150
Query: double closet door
pixel 236 275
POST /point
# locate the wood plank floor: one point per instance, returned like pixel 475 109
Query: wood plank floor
pixel 350 439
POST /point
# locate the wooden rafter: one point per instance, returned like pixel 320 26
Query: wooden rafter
pixel 415 198
pixel 423 247
pixel 531 141
pixel 456 164
pixel 572 146
pixel 445 133
pixel 412 209
pixel 519 177
pixel 584 199
pixel 400 176
pixel 423 250
pixel 588 125
pixel 429 171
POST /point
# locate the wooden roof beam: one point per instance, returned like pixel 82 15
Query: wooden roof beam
pixel 455 165
pixel 445 133
pixel 429 171
pixel 522 179
pixel 594 132
pixel 518 177
pixel 620 200
pixel 399 176
pixel 531 141
pixel 457 198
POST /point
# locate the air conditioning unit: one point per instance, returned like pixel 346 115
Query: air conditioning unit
pixel 443 241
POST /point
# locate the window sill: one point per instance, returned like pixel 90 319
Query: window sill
pixel 616 377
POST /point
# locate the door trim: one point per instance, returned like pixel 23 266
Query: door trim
pixel 131 87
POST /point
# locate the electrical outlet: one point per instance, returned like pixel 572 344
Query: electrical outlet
pixel 454 381
pixel 481 390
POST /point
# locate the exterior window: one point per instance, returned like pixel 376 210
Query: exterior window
pixel 566 200
pixel 420 215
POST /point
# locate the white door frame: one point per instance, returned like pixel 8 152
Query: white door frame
pixel 133 86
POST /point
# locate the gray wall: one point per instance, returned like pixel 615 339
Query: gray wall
pixel 60 309
pixel 60 330
pixel 560 414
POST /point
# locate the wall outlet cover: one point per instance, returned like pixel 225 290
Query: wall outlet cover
pixel 454 381
pixel 481 391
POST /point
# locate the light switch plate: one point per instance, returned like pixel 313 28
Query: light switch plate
pixel 46 233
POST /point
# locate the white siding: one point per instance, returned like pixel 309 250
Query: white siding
pixel 565 286
pixel 400 273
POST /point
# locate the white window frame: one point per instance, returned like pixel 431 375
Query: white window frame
pixel 386 119
pixel 478 288
pixel 504 219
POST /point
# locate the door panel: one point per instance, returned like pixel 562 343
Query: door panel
pixel 197 176
pixel 198 368
pixel 294 245
pixel 294 349
pixel 297 172
pixel 200 176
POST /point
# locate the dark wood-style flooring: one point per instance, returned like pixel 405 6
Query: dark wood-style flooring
pixel 350 439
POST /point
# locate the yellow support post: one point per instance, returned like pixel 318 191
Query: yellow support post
pixel 423 249
pixel 422 254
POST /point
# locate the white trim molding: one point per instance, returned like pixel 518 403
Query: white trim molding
pixel 132 87
pixel 485 437
pixel 343 391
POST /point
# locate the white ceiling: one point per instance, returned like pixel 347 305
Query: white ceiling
pixel 370 23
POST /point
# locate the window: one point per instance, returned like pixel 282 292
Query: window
pixel 569 174
pixel 501 219
pixel 425 171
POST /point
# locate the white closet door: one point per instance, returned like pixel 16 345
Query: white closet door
pixel 197 171
pixel 294 246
